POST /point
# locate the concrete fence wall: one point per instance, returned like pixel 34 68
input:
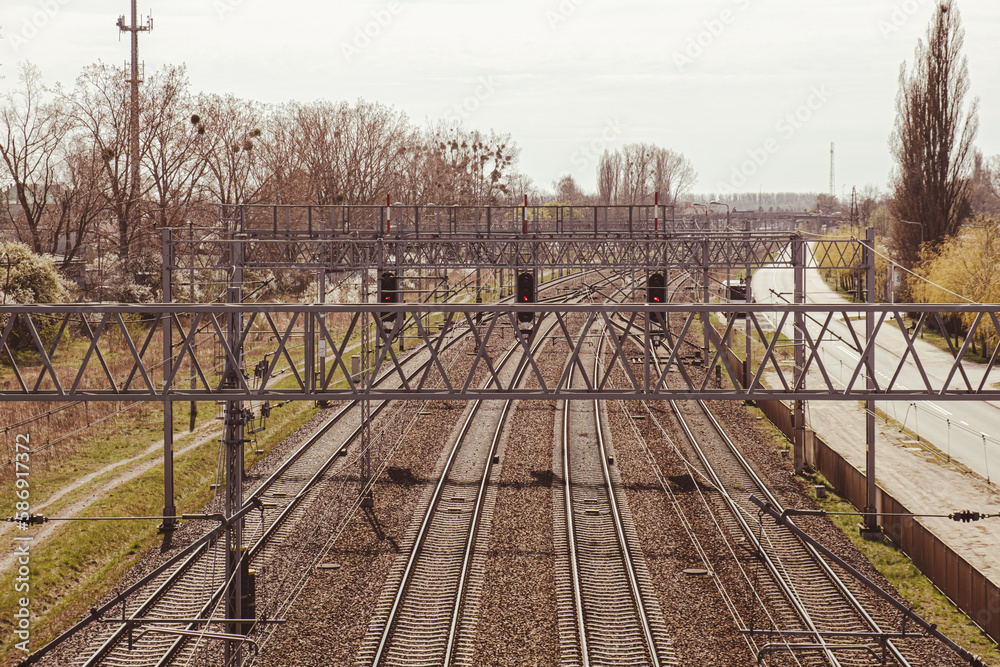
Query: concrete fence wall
pixel 965 586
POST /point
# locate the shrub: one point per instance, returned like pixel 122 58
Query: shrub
pixel 27 278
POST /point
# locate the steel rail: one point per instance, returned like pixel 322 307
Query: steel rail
pixel 738 512
pixel 257 493
pixel 735 510
pixel 317 476
pixel 310 442
pixel 474 530
pixel 825 566
pixel 831 576
pixel 626 554
pixel 776 572
pixel 581 622
pixel 415 553
pixel 619 528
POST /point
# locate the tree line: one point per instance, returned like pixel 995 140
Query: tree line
pixel 67 171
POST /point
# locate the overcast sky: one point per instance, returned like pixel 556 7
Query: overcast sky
pixel 751 91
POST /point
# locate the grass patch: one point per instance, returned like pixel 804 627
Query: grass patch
pixel 84 560
pixel 937 339
pixel 122 437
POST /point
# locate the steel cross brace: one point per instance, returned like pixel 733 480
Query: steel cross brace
pixel 117 362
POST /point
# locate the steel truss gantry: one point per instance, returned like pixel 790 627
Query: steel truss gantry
pixel 317 356
pixel 339 239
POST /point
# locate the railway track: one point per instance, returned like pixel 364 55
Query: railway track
pixel 615 617
pixel 179 591
pixel 426 617
pixel 829 615
pixel 814 617
pixel 191 587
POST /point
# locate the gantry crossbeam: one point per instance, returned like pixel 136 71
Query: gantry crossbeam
pixel 297 250
pixel 314 345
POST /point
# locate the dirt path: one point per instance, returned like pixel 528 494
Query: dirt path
pixel 134 466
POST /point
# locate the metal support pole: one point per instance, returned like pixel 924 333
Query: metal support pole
pixel 706 320
pixel 233 440
pixel 367 361
pixel 798 414
pixel 321 331
pixel 169 509
pixel 747 375
pixel 905 609
pixel 871 515
pixel 193 408
pixel 133 124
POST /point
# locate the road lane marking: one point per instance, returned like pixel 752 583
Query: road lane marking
pixel 939 409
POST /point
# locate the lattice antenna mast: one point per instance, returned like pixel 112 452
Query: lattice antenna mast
pixel 135 76
pixel 833 180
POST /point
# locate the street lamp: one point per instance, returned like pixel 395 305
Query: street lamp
pixel 707 223
pixel 719 203
pixel 921 229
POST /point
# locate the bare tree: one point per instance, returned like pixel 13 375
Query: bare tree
pixel 869 199
pixel 468 167
pixel 230 147
pixel 672 175
pixel 374 139
pixel 932 142
pixel 79 199
pixel 567 191
pixel 303 152
pixel 99 109
pixel 173 161
pixel 982 188
pixel 608 177
pixel 32 131
pixel 633 174
pixel 993 181
pixel 637 172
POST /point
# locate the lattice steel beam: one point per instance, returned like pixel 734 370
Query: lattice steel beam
pixel 296 250
pixel 47 367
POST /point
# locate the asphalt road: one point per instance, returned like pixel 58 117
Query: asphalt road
pixel 968 431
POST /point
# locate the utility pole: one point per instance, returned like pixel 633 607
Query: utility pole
pixel 233 440
pixel 833 180
pixel 869 530
pixel 134 77
pixel 798 406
